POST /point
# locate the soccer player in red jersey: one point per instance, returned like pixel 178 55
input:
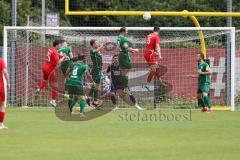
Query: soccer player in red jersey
pixel 4 74
pixel 153 54
pixel 53 59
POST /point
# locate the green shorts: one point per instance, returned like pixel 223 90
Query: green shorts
pixel 203 88
pixel 74 89
pixel 124 60
pixel 96 75
pixel 65 65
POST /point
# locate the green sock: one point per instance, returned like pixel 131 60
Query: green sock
pixel 207 101
pixel 95 95
pixel 82 105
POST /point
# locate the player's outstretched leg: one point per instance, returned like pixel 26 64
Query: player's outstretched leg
pixel 40 87
pixel 131 97
pixel 54 96
pixel 124 79
pixel 152 73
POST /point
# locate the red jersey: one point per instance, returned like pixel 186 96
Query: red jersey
pixel 2 67
pixel 2 90
pixel 151 40
pixel 52 59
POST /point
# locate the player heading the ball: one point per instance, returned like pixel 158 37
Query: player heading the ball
pixel 153 54
pixel 124 58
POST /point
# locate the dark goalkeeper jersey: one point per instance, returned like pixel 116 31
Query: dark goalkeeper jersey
pixel 115 74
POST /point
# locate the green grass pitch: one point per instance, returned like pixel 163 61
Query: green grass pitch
pixel 38 134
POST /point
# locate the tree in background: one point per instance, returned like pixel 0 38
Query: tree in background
pixel 33 8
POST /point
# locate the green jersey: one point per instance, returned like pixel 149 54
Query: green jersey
pixel 67 50
pixel 123 43
pixel 202 79
pixel 96 60
pixel 78 70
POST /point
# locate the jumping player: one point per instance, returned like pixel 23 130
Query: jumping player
pixel 117 87
pixel 96 72
pixel 52 61
pixel 204 82
pixel 65 50
pixel 4 74
pixel 125 63
pixel 153 53
pixel 74 84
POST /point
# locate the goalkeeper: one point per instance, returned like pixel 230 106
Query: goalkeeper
pixel 74 83
pixel 65 50
pixel 117 87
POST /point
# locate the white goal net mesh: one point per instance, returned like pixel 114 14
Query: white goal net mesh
pixel 27 52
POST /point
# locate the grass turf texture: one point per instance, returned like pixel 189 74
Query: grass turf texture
pixel 37 134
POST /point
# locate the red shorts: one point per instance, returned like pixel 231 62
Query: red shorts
pixel 150 57
pixel 49 75
pixel 2 92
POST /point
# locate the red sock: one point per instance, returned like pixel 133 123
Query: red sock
pixel 150 76
pixel 42 85
pixel 158 73
pixel 54 94
pixel 2 115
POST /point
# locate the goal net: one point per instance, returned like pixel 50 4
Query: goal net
pixel 26 48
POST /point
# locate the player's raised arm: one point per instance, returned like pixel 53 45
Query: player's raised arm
pixel 133 50
pixel 61 59
pixel 157 42
pixel 71 54
pixel 97 46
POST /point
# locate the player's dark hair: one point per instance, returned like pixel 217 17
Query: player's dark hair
pixel 56 42
pixel 62 41
pixel 79 57
pixel 92 41
pixel 156 29
pixel 202 56
pixel 122 29
pixel 114 56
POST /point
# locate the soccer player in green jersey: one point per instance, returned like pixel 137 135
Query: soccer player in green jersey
pixel 74 83
pixel 96 58
pixel 125 63
pixel 204 82
pixel 67 51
